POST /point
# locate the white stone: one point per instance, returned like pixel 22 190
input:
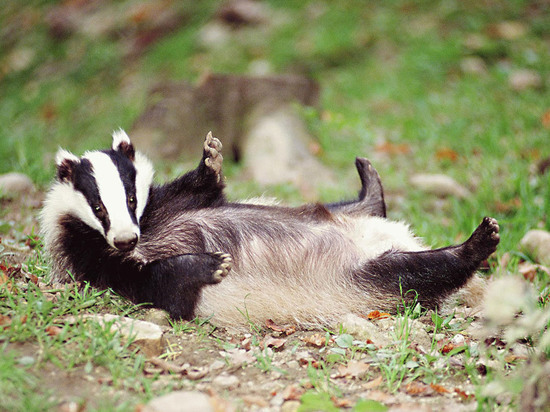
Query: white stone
pixel 225 381
pixel 440 185
pixel 537 243
pixel 180 401
pixel 276 151
pixel 15 183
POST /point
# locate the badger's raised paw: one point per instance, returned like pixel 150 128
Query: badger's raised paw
pixel 484 240
pixel 225 262
pixel 212 156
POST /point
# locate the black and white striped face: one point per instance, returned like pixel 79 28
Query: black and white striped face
pixel 107 190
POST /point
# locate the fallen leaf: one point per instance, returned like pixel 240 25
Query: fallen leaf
pixel 465 396
pixel 318 340
pixel 446 153
pixel 438 388
pixel 417 388
pixel 375 314
pixel 341 402
pixel 292 393
pixel 375 383
pixel 512 358
pixel 528 270
pixel 287 330
pixel 392 148
pixel 545 119
pixel 447 348
pixel 5 321
pixel 354 370
pixel 272 342
pixel 53 330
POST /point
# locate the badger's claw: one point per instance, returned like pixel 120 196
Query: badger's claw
pixel 224 266
pixel 213 158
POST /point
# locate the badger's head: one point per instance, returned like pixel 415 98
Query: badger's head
pixel 107 190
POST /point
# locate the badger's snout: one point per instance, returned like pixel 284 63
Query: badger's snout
pixel 126 242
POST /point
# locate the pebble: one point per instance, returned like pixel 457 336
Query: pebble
pixel 15 184
pixel 157 316
pixel 147 336
pixel 180 401
pixel 524 79
pixel 440 185
pixel 225 381
pixel 363 329
pixel 458 340
pixel 473 65
pixel 537 244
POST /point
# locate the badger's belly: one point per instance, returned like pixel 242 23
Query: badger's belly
pixel 306 279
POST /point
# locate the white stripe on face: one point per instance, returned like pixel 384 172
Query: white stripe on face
pixel 113 195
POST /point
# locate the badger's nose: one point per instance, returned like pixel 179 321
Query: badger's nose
pixel 126 243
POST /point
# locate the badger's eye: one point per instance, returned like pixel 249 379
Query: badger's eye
pixel 131 199
pixel 97 208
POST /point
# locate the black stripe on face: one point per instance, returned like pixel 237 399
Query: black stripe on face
pixel 127 173
pixel 85 183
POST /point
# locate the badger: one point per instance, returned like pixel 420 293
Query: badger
pixel 184 247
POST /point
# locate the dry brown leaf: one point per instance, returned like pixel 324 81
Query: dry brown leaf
pixel 287 330
pixel 528 270
pixel 5 320
pixel 341 402
pixel 545 119
pixel 447 348
pixel 465 396
pixel 293 393
pixel 354 370
pixel 393 148
pixel 375 383
pixel 438 388
pixel 271 342
pixel 318 340
pixel 417 388
pixel 53 330
pixel 376 314
pixel 446 153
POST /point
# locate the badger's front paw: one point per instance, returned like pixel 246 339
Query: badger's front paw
pixel 212 156
pixel 484 240
pixel 225 262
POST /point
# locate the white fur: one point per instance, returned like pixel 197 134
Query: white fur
pixel 119 136
pixel 144 178
pixel 113 195
pixel 65 155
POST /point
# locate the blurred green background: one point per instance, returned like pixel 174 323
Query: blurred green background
pixel 453 87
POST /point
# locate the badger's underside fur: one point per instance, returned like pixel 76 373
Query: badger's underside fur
pixel 184 248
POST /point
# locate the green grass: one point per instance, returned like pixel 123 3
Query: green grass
pixel 390 72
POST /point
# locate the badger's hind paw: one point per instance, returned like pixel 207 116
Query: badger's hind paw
pixel 213 158
pixel 224 266
pixel 484 240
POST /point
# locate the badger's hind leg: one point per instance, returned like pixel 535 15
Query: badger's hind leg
pixel 429 275
pixel 176 282
pixel 371 196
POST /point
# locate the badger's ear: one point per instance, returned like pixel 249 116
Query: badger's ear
pixel 122 144
pixel 66 161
